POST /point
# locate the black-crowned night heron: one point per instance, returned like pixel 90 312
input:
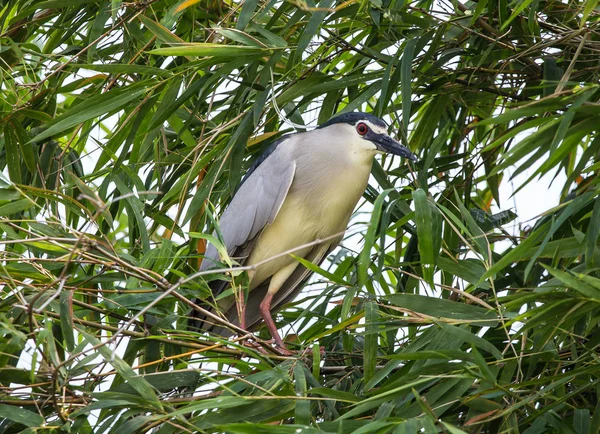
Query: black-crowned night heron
pixel 303 188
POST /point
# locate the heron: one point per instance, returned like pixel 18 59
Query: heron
pixel 298 196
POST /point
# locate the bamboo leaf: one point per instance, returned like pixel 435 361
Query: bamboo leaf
pixel 160 31
pixel 589 6
pixel 425 232
pixel 127 69
pixel 15 207
pixel 592 234
pixel 406 79
pixel 66 318
pixel 302 412
pixel 464 335
pixel 370 355
pixel 210 50
pixel 578 283
pixel 13 155
pixel 311 28
pixel 440 308
pixel 370 237
pixel 137 382
pixel 520 7
pixel 93 107
pixel 21 415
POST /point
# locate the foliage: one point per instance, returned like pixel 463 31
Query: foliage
pixel 127 125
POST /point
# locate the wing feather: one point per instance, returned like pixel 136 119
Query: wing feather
pixel 254 205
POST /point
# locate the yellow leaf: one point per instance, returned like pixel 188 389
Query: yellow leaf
pixel 186 4
pixel 261 138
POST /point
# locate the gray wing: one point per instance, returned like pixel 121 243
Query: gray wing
pixel 254 205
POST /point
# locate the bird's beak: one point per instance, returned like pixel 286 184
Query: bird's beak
pixel 386 144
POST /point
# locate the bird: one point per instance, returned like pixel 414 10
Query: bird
pixel 298 196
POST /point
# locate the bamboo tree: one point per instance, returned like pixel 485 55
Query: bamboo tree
pixel 126 126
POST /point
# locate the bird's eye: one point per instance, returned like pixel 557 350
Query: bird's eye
pixel 362 129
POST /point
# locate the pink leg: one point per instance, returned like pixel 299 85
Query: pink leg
pixel 265 312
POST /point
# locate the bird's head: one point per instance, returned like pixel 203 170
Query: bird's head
pixel 365 126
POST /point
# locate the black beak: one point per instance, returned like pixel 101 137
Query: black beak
pixel 386 144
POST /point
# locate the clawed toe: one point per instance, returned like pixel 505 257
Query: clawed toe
pixel 255 346
pixel 283 351
pixel 272 346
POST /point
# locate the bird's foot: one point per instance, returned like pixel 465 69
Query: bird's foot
pixel 282 350
pixel 255 346
pixel 306 352
pixel 279 348
pixel 263 347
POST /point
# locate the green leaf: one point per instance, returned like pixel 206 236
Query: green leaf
pixel 246 14
pixel 320 271
pixel 25 147
pixel 377 400
pixel 440 308
pixel 452 429
pixel 582 97
pixel 470 270
pixel 13 155
pixel 595 424
pixel 464 335
pixel 586 285
pixel 252 428
pixel 406 79
pixel 239 36
pixel 15 207
pixel 520 7
pixel 371 338
pixel 474 231
pixel 21 416
pixel 35 114
pixel 571 208
pixel 338 395
pixel 589 6
pixel 66 318
pixel 127 69
pixel 137 382
pixel 592 234
pixel 160 31
pixel 211 50
pixel 365 255
pixel 581 421
pixel 429 120
pixel 91 108
pixel 425 231
pixel 537 107
pixel 302 412
pixel 312 27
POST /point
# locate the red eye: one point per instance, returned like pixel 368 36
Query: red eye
pixel 362 129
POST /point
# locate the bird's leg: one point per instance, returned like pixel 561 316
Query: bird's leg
pixel 277 281
pixel 265 312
